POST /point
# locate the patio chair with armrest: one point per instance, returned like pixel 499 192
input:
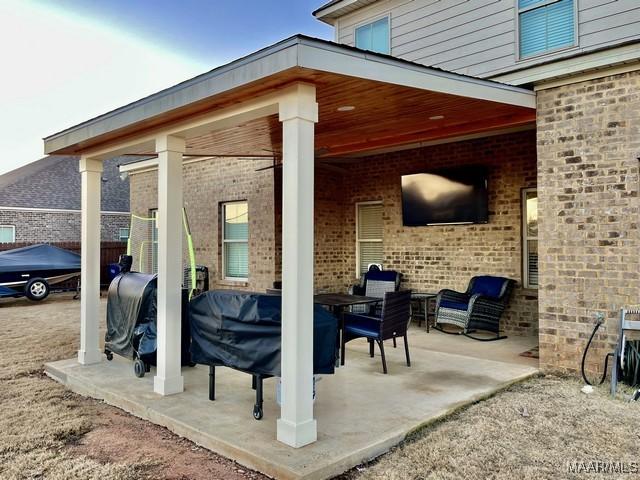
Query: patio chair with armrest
pixel 392 323
pixel 479 308
pixel 375 283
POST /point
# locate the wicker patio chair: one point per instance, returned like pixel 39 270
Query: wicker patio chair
pixel 479 308
pixel 375 283
pixel 392 323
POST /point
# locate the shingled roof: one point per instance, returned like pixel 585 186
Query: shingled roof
pixel 54 182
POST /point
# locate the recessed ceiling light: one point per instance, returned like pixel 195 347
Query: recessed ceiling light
pixel 436 117
pixel 346 108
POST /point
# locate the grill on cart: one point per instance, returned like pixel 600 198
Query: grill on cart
pixel 131 320
pixel 242 330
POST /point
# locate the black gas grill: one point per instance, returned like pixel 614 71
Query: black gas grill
pixel 242 330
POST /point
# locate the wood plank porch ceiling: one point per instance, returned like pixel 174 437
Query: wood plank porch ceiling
pixel 385 115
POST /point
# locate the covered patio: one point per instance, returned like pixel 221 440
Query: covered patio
pixel 361 412
pixel 300 103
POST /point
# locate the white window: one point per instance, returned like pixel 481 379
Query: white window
pixel 545 25
pixel 530 238
pixel 235 241
pixel 374 36
pixel 7 234
pixel 369 227
pixel 123 234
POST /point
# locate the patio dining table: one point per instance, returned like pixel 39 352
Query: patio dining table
pixel 337 303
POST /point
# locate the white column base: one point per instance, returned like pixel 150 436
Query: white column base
pixel 168 386
pixel 297 435
pixel 89 357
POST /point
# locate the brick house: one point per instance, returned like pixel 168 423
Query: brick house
pixel 40 202
pixel 304 143
pixel 587 97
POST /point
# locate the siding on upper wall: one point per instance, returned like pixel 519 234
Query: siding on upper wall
pixel 479 37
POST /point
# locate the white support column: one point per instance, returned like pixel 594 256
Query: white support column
pixel 298 114
pixel 91 175
pixel 168 379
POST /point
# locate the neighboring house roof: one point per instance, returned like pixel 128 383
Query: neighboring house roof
pixel 53 182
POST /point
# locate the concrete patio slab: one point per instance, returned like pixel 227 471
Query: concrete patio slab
pixel 361 413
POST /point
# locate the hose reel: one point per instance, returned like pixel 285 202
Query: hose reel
pixel 626 356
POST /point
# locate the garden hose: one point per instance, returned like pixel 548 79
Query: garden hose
pixel 630 373
pixel 586 350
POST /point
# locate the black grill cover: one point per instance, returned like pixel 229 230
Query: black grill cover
pixel 242 330
pixel 131 301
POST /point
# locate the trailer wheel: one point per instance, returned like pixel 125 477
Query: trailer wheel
pixel 138 368
pixel 37 289
pixel 109 356
pixel 257 412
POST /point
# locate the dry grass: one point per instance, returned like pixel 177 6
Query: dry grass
pixel 532 431
pixel 47 432
pixel 39 417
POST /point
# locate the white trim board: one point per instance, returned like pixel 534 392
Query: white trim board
pixel 55 210
pixel 604 72
pixel 152 164
pixel 571 66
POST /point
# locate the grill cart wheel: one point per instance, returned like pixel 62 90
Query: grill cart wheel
pixel 36 289
pixel 109 355
pixel 257 412
pixel 139 368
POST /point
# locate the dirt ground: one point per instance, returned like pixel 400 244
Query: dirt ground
pixel 544 428
pixel 47 432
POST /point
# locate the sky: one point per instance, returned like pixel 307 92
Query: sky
pixel 66 61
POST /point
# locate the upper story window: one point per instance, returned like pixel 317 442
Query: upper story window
pixel 374 36
pixel 7 234
pixel 545 25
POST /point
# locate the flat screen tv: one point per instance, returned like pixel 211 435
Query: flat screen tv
pixel 455 196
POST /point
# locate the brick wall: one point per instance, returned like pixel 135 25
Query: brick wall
pixel 430 257
pixel 36 226
pixel 436 257
pixel 588 144
pixel 207 184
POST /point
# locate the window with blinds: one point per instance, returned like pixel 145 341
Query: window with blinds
pixel 545 25
pixel 123 234
pixel 369 229
pixel 374 36
pixel 530 237
pixel 235 240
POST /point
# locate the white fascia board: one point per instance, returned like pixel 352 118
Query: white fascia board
pixel 332 9
pixel 249 69
pixel 385 69
pixel 571 66
pixel 152 164
pixel 141 165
